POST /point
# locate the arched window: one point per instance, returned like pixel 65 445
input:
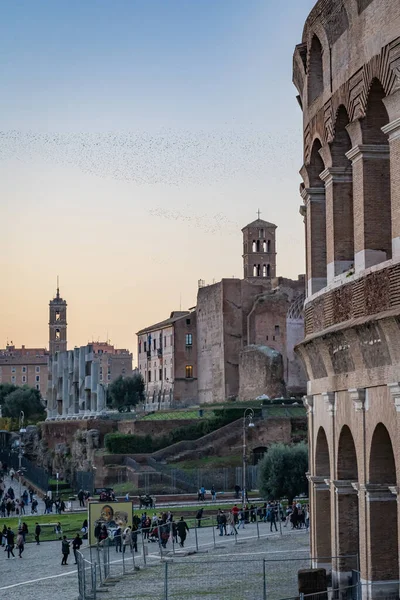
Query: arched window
pixel 264 246
pixel 315 71
pixel 254 247
pixel 258 245
pixel 268 270
pixel 269 246
pixel 264 271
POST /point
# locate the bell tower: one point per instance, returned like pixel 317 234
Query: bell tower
pixel 259 250
pixel 57 324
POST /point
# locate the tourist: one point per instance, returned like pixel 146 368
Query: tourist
pixel 223 521
pixel 80 498
pixel 271 516
pixel 213 494
pixel 127 538
pixel 64 550
pixel 76 544
pixel 134 535
pixel 34 506
pixel 231 523
pixel 24 530
pixel 235 512
pixel 38 531
pixel 241 519
pixel 10 542
pixel 199 516
pixel 20 543
pixel 237 491
pixel 182 528
pixel 118 539
pixel 58 530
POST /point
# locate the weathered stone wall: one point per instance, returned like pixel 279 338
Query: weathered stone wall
pixel 210 348
pixel 261 372
pixel 154 428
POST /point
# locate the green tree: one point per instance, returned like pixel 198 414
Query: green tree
pixel 26 399
pixel 282 471
pixel 126 391
pixel 5 390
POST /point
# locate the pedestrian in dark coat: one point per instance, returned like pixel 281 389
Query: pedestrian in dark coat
pixel 76 544
pixel 182 528
pixel 38 530
pixel 65 550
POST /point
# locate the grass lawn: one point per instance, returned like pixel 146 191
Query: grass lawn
pixel 71 524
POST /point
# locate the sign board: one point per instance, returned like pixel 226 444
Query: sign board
pixel 110 514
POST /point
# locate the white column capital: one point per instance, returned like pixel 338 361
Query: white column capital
pixel 394 389
pixel 337 175
pixel 344 487
pixel 330 400
pixel 357 395
pixel 314 194
pixel 392 129
pixel 378 151
pixel 308 402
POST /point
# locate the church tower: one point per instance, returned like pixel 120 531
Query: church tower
pixel 57 324
pixel 259 250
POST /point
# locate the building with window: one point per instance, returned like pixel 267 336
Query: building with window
pixel 247 328
pixel 113 362
pixel 167 360
pixel 24 366
pixel 347 74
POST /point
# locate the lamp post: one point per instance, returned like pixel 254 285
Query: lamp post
pixel 20 454
pixel 248 416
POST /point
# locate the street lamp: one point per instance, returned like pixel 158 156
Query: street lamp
pixel 20 454
pixel 248 416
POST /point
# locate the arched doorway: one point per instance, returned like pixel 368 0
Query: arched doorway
pixel 382 512
pixel 347 505
pixel 258 454
pixel 321 504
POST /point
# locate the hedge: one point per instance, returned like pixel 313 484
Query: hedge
pixel 121 443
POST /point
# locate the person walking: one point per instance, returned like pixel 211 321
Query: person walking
pixel 38 531
pixel 231 523
pixel 10 542
pixel 76 544
pixel 213 494
pixel 127 538
pixel 118 539
pixel 199 516
pixel 272 517
pixel 241 519
pixel 182 528
pixel 20 543
pixel 64 550
pixel 24 530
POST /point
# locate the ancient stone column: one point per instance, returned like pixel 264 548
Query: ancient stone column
pixel 347 531
pixel 314 200
pixel 371 202
pixel 321 520
pixel 393 130
pixel 339 220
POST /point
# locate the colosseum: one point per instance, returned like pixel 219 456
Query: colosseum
pixel 347 73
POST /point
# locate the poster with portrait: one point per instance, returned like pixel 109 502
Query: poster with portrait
pixel 108 516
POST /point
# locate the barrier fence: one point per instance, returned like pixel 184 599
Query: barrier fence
pixel 163 570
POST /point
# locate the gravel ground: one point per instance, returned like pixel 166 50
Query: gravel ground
pixel 231 571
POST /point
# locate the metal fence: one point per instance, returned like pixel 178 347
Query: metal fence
pixel 36 475
pixel 224 478
pixel 241 577
pixel 83 480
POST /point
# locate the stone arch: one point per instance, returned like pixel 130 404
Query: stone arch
pixel 341 140
pixel 376 115
pixel 316 165
pixel 321 505
pixel 315 78
pixel 347 512
pixel 382 466
pixel 322 460
pixel 347 467
pixel 382 531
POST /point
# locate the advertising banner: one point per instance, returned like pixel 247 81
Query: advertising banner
pixel 108 515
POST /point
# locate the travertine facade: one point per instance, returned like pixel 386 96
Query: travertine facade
pixel 347 72
pixel 167 360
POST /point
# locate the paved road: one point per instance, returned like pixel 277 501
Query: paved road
pixel 40 574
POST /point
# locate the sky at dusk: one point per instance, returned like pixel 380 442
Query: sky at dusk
pixel 137 138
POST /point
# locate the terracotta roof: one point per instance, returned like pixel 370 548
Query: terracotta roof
pixel 260 223
pixel 175 316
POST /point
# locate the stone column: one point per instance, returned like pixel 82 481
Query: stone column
pixel 371 204
pixel 314 200
pixel 320 521
pixel 347 532
pixel 339 220
pixel 392 103
pixel 382 529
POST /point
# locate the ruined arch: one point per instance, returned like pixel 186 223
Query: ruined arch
pixel 341 142
pixel 315 70
pixel 347 467
pixel 383 531
pixel 382 467
pixel 316 165
pixel 322 461
pixel 376 115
